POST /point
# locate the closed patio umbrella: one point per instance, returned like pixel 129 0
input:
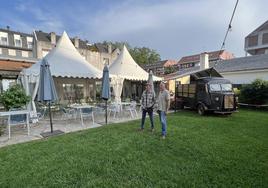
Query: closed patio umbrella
pixel 150 79
pixel 105 93
pixel 47 92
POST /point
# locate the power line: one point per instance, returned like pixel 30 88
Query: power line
pixel 228 30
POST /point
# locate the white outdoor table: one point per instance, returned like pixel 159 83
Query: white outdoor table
pixel 79 108
pixel 18 112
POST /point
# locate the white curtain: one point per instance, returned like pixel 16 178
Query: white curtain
pixel 26 80
pixel 117 84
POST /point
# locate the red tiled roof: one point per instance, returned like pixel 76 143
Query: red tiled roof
pixel 222 54
pixel 169 63
pixel 10 65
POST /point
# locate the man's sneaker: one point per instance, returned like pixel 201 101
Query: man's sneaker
pixel 163 137
pixel 141 129
pixel 152 130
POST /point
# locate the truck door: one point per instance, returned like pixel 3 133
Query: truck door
pixel 201 94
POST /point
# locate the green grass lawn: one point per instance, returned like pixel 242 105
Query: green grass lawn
pixel 198 152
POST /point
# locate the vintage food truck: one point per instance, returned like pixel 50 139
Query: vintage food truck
pixel 207 92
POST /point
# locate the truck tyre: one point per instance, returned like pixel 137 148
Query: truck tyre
pixel 201 109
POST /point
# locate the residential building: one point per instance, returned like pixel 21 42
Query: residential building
pixel 239 71
pixel 193 60
pixel 244 70
pixel 10 68
pixel 16 53
pixel 15 44
pixel 96 54
pixel 257 41
pixel 160 68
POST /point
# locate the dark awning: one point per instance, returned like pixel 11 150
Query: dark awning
pixel 211 72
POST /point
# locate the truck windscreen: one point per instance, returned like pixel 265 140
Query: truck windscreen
pixel 226 87
pixel 214 87
pixel 220 87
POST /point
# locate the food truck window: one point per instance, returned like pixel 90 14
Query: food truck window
pixel 226 87
pixel 214 87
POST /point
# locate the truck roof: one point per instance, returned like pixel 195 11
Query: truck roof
pixel 213 80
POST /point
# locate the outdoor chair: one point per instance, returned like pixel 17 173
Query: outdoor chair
pixel 132 109
pixel 99 110
pixel 67 114
pixel 17 119
pixel 34 117
pixel 85 113
pixel 115 109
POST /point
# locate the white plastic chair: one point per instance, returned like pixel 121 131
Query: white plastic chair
pixel 86 112
pixel 114 108
pixel 17 119
pixel 68 113
pixel 132 109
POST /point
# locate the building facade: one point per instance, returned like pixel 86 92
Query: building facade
pixel 10 68
pixel 160 68
pixel 15 44
pixel 194 60
pixel 257 41
pixel 16 53
pixel 96 54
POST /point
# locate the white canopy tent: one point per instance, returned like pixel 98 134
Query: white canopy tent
pixel 65 61
pixel 124 67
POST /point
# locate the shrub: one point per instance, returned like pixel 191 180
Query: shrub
pixel 14 97
pixel 255 93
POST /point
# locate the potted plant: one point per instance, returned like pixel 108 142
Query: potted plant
pixel 14 97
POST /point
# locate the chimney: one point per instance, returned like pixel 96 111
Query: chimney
pixel 109 48
pixel 53 38
pixel 204 64
pixel 76 42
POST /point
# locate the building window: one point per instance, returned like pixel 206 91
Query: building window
pixel 265 38
pixel 29 42
pixel 253 40
pixel 17 42
pixel 11 52
pixel 6 84
pixel 106 61
pixel 3 41
pixel 25 54
pixel 3 38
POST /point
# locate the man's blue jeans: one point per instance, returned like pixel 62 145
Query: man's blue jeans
pixel 163 120
pixel 150 113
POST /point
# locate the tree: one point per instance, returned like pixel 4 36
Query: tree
pixel 169 70
pixel 142 55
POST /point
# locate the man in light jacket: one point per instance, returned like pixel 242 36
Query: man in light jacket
pixel 163 106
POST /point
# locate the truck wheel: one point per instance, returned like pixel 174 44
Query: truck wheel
pixel 201 110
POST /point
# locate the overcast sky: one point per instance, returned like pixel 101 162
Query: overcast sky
pixel 174 28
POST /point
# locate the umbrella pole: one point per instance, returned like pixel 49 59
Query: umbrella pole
pixel 50 117
pixel 106 112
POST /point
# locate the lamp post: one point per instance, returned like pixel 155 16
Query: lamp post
pixel 175 95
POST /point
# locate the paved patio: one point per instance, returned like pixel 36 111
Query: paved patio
pixel 19 133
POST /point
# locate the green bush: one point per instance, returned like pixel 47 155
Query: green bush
pixel 14 97
pixel 255 93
